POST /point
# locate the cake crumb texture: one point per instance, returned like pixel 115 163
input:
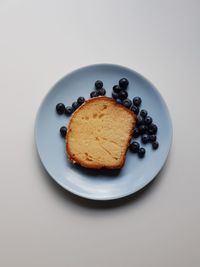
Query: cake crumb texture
pixel 99 133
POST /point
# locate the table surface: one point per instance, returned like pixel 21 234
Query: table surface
pixel 40 223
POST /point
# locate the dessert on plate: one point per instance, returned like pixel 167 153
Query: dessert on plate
pixel 101 128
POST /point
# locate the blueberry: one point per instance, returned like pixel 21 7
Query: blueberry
pixel 115 95
pixel 134 147
pixel 75 105
pixel 116 89
pixel 135 109
pixel 63 131
pixel 141 152
pixel 140 121
pixel 98 84
pixel 143 113
pixel 123 83
pixel 93 94
pixel 127 103
pixel 136 133
pixel 155 145
pixel 68 110
pixel 152 129
pixel 142 129
pixel 81 100
pixel 118 101
pixel 123 94
pixel 148 120
pixel 101 92
pixel 152 138
pixel 137 101
pixel 60 108
pixel 145 139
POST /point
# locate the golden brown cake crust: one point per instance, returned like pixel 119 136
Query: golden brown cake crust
pixel 98 165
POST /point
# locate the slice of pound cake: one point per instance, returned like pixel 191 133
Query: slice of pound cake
pixel 99 133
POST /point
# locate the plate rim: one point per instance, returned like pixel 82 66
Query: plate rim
pixel 81 194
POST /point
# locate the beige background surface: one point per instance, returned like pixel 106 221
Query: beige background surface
pixel 40 223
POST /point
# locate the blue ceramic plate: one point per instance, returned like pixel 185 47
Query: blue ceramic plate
pixel 95 184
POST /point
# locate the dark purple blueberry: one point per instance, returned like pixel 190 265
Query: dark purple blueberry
pixel 152 138
pixel 134 147
pixel 60 108
pixel 142 129
pixel 93 94
pixel 127 103
pixel 75 105
pixel 98 84
pixel 116 89
pixel 123 83
pixel 68 110
pixel 135 109
pixel 140 121
pixel 148 120
pixel 115 95
pixel 143 113
pixel 155 145
pixel 63 131
pixel 137 101
pixel 152 129
pixel 136 133
pixel 123 94
pixel 81 100
pixel 101 92
pixel 141 152
pixel 145 139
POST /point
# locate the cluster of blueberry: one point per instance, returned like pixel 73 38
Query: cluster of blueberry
pixel 147 130
pixel 61 109
pixel 145 126
pixel 120 93
pixel 99 90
